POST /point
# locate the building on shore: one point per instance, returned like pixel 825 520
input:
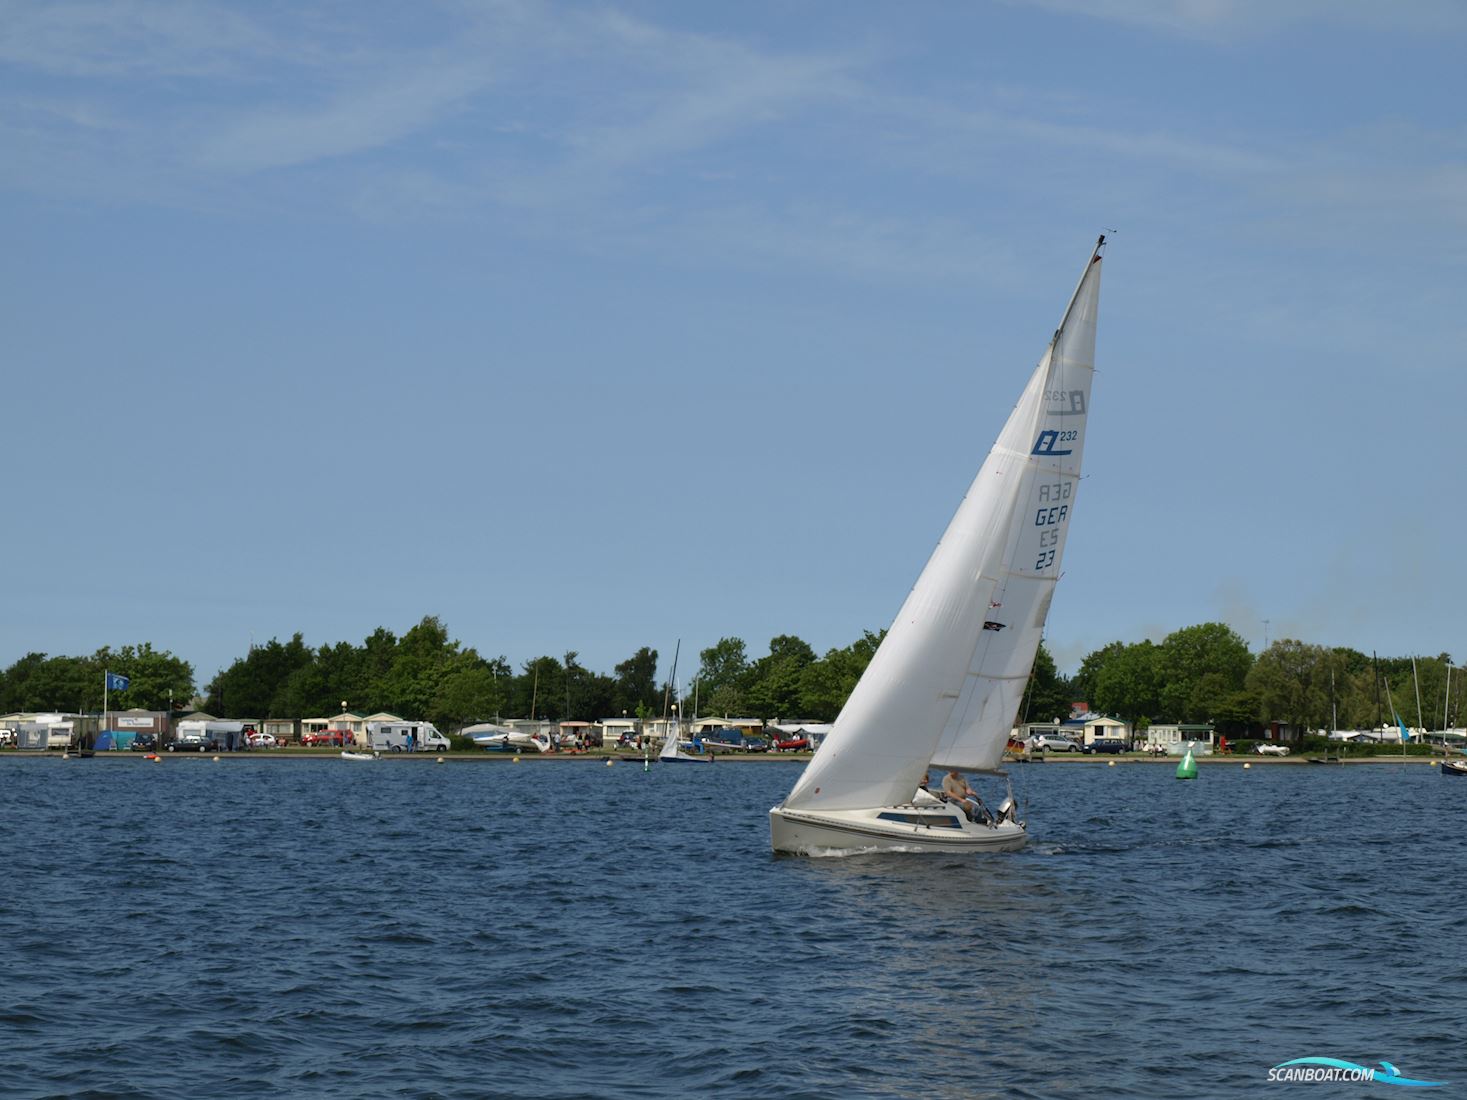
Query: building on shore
pixel 1174 739
pixel 614 730
pixel 1088 728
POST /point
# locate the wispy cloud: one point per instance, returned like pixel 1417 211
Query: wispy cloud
pixel 1230 20
pixel 351 121
pixel 613 130
pixel 127 38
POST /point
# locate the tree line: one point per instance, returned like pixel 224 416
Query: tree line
pixel 1203 673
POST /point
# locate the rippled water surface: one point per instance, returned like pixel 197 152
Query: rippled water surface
pixel 312 928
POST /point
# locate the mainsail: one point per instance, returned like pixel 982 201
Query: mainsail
pixel 946 683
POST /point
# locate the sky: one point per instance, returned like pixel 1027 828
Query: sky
pixel 594 326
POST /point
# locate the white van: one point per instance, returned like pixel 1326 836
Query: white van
pixel 405 737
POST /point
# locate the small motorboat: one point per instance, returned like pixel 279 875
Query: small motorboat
pixel 1454 767
pixel 345 755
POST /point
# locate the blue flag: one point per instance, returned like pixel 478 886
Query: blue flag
pixel 116 682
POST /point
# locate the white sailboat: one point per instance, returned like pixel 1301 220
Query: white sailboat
pixel 946 683
pixel 672 752
pixel 495 738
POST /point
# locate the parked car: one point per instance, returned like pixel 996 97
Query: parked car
pixel 189 741
pixel 263 741
pixel 1105 744
pixel 326 737
pixel 145 742
pixel 1052 742
pixel 1271 750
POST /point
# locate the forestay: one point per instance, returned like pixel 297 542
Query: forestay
pixel 946 683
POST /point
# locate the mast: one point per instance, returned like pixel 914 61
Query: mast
pixel 1420 722
pixel 1334 720
pixel 1375 664
pixel 671 679
pixel 1065 320
pixel 670 746
pixel 1397 717
pixel 1446 705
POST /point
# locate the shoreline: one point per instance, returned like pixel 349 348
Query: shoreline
pixel 604 757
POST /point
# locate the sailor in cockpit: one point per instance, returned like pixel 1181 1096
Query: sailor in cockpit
pixel 956 789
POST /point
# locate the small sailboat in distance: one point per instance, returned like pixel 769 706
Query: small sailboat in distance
pixel 672 752
pixel 945 686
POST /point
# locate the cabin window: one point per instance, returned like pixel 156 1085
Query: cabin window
pixel 940 821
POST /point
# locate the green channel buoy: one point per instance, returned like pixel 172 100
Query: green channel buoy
pixel 1187 769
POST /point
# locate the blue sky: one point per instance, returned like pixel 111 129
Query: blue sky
pixel 595 326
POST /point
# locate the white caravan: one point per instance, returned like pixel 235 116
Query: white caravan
pixel 404 737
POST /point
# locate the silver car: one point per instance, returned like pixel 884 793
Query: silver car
pixel 1052 742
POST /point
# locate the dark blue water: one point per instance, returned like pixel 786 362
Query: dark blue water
pixel 324 928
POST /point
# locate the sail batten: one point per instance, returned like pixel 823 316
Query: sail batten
pixel 946 683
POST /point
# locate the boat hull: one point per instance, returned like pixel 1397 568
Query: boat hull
pixel 1454 767
pixel 888 828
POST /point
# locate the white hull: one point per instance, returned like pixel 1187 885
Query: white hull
pixel 511 742
pixel 908 828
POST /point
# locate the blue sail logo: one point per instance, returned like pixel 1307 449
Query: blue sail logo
pixel 1317 1070
pixel 1046 443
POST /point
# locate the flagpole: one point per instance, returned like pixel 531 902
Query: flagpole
pixel 106 679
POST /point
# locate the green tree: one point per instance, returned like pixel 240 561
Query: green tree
pixel 1083 683
pixel 337 672
pixel 1128 683
pixel 1048 695
pixel 539 690
pixel 723 677
pixel 154 676
pixel 413 676
pixel 827 683
pixel 379 654
pixel 1197 667
pixel 467 692
pixel 634 690
pixel 775 682
pixel 1290 680
pixel 249 687
pixel 37 682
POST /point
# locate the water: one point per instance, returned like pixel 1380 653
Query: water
pixel 318 928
